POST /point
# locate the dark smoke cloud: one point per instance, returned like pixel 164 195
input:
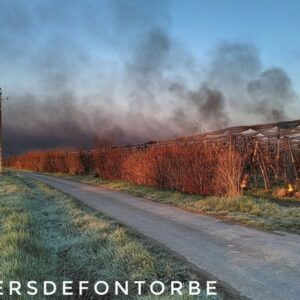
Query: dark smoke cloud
pixel 157 92
pixel 233 64
pixel 271 93
pixel 210 104
pixel 256 94
pixel 146 67
pixel 151 56
pixel 65 124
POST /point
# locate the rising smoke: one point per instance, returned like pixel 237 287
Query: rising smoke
pixel 271 92
pixel 150 88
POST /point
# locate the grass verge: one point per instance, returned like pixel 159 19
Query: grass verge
pixel 256 211
pixel 47 235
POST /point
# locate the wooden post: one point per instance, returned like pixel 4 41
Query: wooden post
pixel 277 155
pixel 292 159
pixel 262 166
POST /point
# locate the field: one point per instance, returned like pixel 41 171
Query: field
pixel 248 179
pixel 217 169
pixel 47 235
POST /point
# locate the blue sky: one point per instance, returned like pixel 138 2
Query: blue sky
pixel 271 25
pixel 146 69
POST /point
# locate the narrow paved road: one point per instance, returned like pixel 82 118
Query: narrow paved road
pixel 258 264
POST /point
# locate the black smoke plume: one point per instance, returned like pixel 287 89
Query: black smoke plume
pixel 155 89
pixel 271 93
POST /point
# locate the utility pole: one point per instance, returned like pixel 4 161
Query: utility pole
pixel 1 133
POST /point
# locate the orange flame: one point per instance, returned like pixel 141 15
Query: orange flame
pixel 290 188
pixel 244 181
pixel 243 184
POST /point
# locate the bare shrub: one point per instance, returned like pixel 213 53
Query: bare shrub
pixel 186 169
pixel 74 163
pixel 108 162
pixel 137 167
pixel 229 170
pixel 193 169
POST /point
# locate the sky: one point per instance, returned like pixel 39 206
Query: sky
pixel 144 70
pixel 271 25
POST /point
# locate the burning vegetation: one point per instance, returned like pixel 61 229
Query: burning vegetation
pixel 223 162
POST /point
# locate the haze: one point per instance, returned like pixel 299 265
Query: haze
pixel 144 70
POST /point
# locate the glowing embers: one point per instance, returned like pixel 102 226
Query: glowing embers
pixel 290 188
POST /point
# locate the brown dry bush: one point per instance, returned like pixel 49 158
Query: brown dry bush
pixel 194 169
pixel 187 169
pixel 108 162
pixel 59 162
pixel 34 160
pixel 52 161
pixel 137 167
pixel 229 171
pixel 74 164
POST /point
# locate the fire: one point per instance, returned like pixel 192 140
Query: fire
pixel 244 181
pixel 290 188
pixel 243 184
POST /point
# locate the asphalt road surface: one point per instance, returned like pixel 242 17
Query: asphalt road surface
pixel 259 265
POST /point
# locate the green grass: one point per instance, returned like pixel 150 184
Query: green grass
pixel 271 194
pixel 47 235
pixel 251 210
pixel 254 211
